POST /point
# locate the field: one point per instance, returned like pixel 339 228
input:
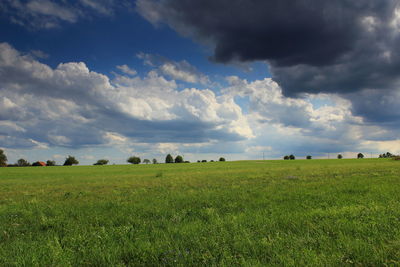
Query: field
pixel 248 213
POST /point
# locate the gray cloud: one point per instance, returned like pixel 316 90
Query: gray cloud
pixel 181 70
pixel 47 14
pixel 312 46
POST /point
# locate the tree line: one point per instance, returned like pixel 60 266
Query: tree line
pixel 339 156
pixel 168 159
pixel 71 160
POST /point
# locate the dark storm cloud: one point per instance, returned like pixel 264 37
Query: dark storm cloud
pixel 286 32
pixel 312 46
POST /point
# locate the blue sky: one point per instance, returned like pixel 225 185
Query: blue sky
pixel 111 79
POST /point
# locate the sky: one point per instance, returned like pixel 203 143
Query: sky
pixel 203 79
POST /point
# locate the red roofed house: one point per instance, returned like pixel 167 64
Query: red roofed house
pixel 39 163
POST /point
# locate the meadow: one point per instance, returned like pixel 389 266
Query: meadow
pixel 246 213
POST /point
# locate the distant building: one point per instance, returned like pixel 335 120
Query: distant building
pixel 39 163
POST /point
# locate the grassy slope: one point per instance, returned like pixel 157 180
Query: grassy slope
pixel 316 212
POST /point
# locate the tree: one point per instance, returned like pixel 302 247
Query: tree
pixel 221 159
pixel 169 159
pixel 178 159
pixel 70 160
pixel 339 156
pixel 386 155
pixel 360 156
pixel 286 157
pixel 101 162
pixel 204 160
pixel 292 157
pixel 23 163
pixel 155 161
pixel 3 159
pixel 50 163
pixel 309 157
pixel 133 160
pixel 146 161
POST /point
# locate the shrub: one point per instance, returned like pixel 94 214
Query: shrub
pixel 204 160
pixel 221 159
pixel 101 162
pixel 292 157
pixel 309 157
pixel 178 159
pixel 169 159
pixel 71 161
pixel 23 163
pixel 339 156
pixel 50 163
pixel 3 159
pixel 146 161
pixel 155 161
pixel 360 156
pixel 386 155
pixel 133 160
pixel 286 157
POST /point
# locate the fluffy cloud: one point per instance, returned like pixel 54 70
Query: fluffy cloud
pixel 73 106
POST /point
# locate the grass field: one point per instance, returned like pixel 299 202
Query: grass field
pixel 249 213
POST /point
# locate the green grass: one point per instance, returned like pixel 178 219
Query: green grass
pixel 249 213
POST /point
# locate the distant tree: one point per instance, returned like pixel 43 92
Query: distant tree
pixel 23 163
pixel 50 163
pixel 198 161
pixel 339 156
pixel 212 160
pixel 186 161
pixel 155 161
pixel 360 156
pixel 3 159
pixel 221 159
pixel 286 157
pixel 169 159
pixel 178 159
pixel 204 160
pixel 146 161
pixel 386 155
pixel 70 160
pixel 309 157
pixel 292 157
pixel 134 160
pixel 101 162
